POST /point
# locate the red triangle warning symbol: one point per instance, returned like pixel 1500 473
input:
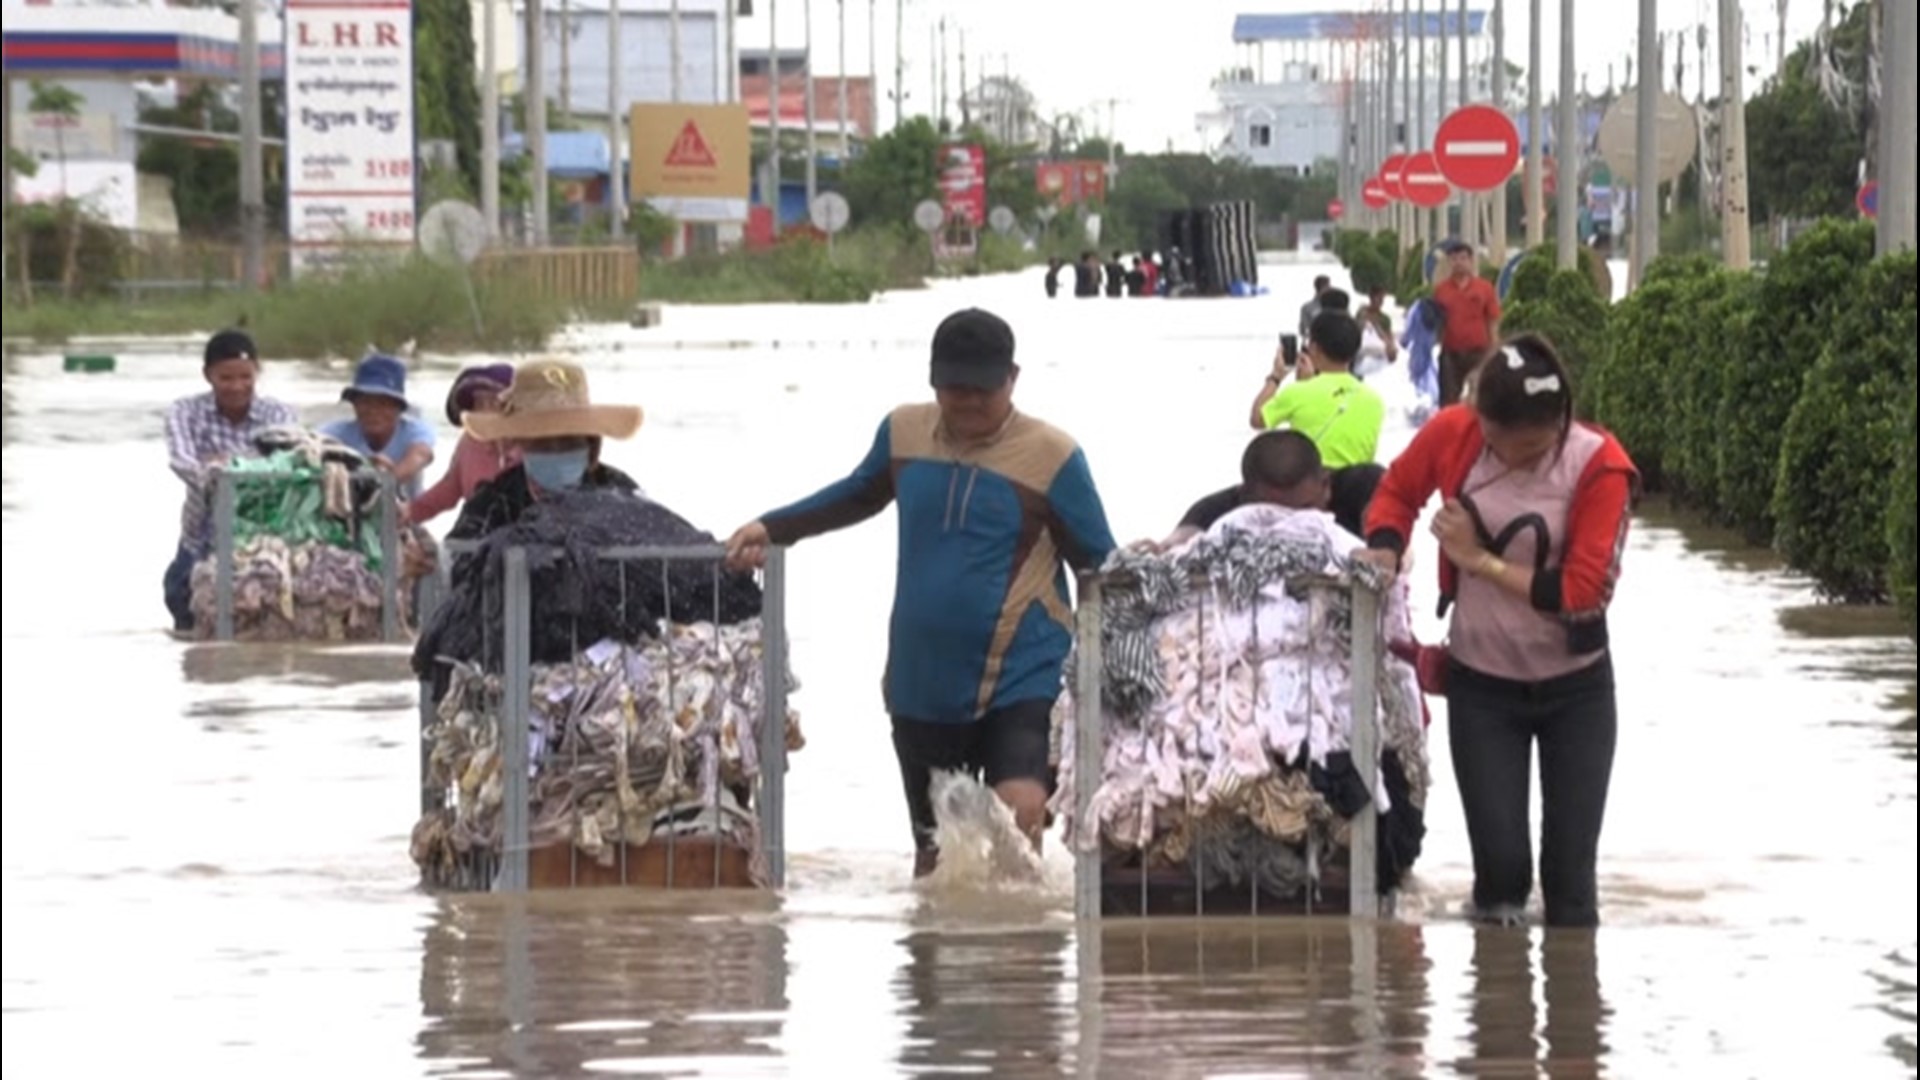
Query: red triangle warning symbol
pixel 690 150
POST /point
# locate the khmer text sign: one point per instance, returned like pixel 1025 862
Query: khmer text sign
pixel 350 153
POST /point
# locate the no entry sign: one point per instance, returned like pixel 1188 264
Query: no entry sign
pixel 1390 175
pixel 1477 147
pixel 1374 194
pixel 1336 210
pixel 1868 200
pixel 1423 182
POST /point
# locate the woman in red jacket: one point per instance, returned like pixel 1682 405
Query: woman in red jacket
pixel 1531 532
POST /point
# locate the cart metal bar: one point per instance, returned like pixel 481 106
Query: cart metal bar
pixel 516 701
pixel 773 720
pixel 1089 749
pixel 1364 743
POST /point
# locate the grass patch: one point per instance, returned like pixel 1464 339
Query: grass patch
pixel 384 304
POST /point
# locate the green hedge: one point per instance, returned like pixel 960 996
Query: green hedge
pixel 1563 307
pixel 1900 523
pixel 1633 391
pixel 1721 308
pixel 1801 292
pixel 1846 436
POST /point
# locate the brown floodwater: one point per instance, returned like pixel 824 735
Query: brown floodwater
pixel 205 847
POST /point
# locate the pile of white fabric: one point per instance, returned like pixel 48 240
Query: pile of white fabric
pixel 625 742
pixel 1227 701
pixel 310 591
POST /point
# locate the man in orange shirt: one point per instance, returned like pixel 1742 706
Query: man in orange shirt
pixel 1471 309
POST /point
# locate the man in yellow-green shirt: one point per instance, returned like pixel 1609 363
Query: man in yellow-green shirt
pixel 1342 415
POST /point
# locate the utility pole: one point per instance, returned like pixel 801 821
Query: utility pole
pixel 1424 220
pixel 1536 134
pixel 1894 231
pixel 841 156
pixel 6 139
pixel 1469 211
pixel 1497 201
pixel 773 110
pixel 943 71
pixel 733 51
pixel 566 60
pixel 673 49
pixel 1391 143
pixel 1567 152
pixel 899 62
pixel 253 181
pixel 490 121
pixel 1736 236
pixel 873 69
pixel 966 110
pixel 1646 147
pixel 616 183
pixel 813 149
pixel 533 97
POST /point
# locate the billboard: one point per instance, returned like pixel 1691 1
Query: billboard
pixel 1069 182
pixel 350 152
pixel 694 162
pixel 963 182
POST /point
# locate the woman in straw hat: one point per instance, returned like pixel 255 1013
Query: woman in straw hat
pixel 475 390
pixel 549 416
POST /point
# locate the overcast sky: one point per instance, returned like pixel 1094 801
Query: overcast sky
pixel 1158 57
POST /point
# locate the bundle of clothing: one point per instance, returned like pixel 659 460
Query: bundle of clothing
pixel 579 597
pixel 292 592
pixel 307 551
pixel 625 743
pixel 1227 702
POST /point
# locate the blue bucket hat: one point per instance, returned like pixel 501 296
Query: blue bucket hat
pixel 378 376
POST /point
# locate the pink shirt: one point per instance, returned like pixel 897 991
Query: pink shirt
pixel 1494 631
pixel 474 463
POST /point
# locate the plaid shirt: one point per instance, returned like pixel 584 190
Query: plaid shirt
pixel 198 436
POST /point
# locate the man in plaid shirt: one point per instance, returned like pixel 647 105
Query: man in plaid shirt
pixel 206 430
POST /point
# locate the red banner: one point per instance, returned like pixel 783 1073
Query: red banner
pixel 1070 182
pixel 963 182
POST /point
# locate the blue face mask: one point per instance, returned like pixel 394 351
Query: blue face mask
pixel 558 470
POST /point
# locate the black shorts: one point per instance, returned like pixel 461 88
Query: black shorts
pixel 1008 743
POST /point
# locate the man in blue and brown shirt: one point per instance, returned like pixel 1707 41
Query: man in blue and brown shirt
pixel 994 506
pixel 206 430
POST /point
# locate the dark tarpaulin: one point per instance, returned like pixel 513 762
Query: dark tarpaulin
pixel 578 597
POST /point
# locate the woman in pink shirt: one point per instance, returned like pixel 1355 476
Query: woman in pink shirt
pixel 477 389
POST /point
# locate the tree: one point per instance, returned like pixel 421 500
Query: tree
pixel 446 82
pixel 63 104
pixel 1807 129
pixel 897 171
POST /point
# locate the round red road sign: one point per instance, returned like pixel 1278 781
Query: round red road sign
pixel 1477 147
pixel 1423 182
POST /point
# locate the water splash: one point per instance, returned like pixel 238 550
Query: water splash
pixel 981 847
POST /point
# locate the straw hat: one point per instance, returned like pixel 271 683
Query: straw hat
pixel 548 399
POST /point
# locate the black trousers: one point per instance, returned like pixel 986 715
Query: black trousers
pixel 1008 743
pixel 1492 727
pixel 1454 370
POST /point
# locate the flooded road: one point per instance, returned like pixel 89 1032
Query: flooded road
pixel 205 848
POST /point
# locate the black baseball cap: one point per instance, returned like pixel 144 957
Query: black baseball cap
pixel 229 345
pixel 973 348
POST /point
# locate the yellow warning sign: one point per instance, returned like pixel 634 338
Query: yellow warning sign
pixel 690 151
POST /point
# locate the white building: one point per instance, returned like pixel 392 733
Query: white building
pixel 1285 104
pixel 574 47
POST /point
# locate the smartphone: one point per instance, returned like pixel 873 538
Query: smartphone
pixel 1290 349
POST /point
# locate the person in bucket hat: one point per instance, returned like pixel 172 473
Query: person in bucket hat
pixel 549 416
pixel 383 429
pixel 475 390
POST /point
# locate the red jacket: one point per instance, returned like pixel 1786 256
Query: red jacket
pixel 1439 459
